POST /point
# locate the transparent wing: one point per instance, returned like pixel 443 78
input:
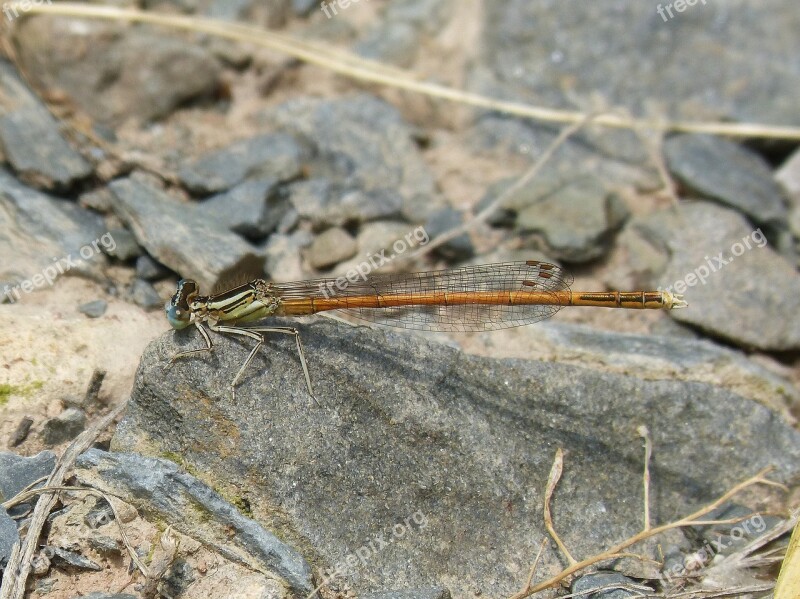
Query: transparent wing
pixel 520 277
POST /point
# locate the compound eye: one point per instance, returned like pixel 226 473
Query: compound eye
pixel 178 313
pixel 177 318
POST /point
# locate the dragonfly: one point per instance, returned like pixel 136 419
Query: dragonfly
pixel 467 299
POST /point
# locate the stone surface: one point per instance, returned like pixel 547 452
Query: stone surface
pixel 331 247
pixel 178 236
pixel 94 309
pixel 35 228
pixel 160 489
pixel 115 72
pixel 443 220
pixel 714 168
pixel 428 593
pixel 326 204
pixel 454 448
pixel 613 584
pixel 253 208
pixel 148 269
pixel 277 156
pixel 17 472
pixel 283 256
pixel 8 536
pixel 750 300
pixel 126 247
pixel 360 145
pixel 32 140
pixel 575 220
pixel 546 52
pixel 64 427
pixel 145 295
pixel 392 42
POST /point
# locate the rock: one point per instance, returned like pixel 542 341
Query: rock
pixel 429 593
pixel 331 247
pixel 254 208
pixel 613 584
pixel 714 168
pixel 63 557
pixel 94 309
pixel 98 200
pixel 275 156
pixel 126 247
pixel 178 236
pixel 32 140
pixel 102 595
pixel 576 220
pixel 21 432
pixel 788 175
pixel 325 204
pixel 359 144
pixel 35 228
pixel 148 269
pixel 283 256
pixel 464 455
pixel 737 287
pixel 105 545
pixel 303 8
pixel 17 472
pixel 379 243
pixel 123 73
pixel 158 487
pixel 391 42
pixel 145 295
pixel 442 221
pixel 8 536
pixel 64 427
pixel 530 49
pixel 429 16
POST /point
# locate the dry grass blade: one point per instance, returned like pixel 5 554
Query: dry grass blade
pixel 371 72
pixel 617 550
pixel 648 453
pixel 552 481
pixel 18 570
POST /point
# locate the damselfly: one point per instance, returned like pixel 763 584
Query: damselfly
pixel 471 298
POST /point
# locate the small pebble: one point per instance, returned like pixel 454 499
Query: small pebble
pixel 145 296
pixel 94 309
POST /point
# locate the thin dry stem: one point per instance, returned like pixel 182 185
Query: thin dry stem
pixel 648 453
pixel 17 570
pixel 552 482
pixel 613 552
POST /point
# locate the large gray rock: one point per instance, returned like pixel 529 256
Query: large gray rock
pixel 32 140
pixel 160 489
pixel 123 72
pixel 426 467
pixel 43 237
pixel 365 151
pixel 180 237
pixel 721 170
pixel 738 288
